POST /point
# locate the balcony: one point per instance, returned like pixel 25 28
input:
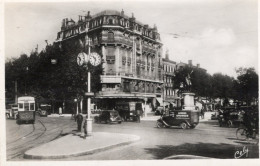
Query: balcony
pixel 115 41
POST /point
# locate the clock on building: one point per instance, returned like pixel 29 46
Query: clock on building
pixel 94 59
pixel 82 58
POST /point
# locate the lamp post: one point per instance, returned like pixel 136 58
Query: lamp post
pixel 53 62
pixel 94 60
pixel 27 69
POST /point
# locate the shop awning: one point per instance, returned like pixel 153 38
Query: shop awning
pixel 160 100
pixel 173 104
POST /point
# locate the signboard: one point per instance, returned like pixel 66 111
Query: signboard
pixel 182 115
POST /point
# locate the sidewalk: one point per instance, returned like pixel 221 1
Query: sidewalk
pixel 74 145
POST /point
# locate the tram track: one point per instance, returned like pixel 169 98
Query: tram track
pixel 39 135
pixel 41 132
pixel 24 136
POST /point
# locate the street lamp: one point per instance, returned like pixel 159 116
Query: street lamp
pixel 27 69
pixel 94 60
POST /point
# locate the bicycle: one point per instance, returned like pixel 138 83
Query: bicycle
pixel 242 133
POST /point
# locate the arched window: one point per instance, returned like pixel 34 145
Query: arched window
pixel 110 36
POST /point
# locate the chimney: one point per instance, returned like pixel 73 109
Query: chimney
pixel 122 12
pixel 63 24
pixel 198 65
pixel 190 62
pixel 155 27
pixel 66 22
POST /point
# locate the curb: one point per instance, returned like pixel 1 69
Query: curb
pixel 181 157
pixel 87 152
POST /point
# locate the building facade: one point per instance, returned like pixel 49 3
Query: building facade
pixel 169 67
pixel 131 54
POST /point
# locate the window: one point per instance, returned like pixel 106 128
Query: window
pixel 110 37
pixel 123 60
pixel 21 106
pixel 110 85
pixel 31 106
pixel 110 55
pixel 26 106
pixel 126 87
pixel 110 21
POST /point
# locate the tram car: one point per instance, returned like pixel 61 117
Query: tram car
pixel 26 109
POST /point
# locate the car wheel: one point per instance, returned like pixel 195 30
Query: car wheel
pixel 7 116
pixel 159 124
pixel 183 125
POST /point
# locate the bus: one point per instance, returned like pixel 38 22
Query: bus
pixel 26 109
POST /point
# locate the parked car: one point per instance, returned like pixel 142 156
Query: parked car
pixel 229 117
pixel 108 116
pixel 130 111
pixel 11 111
pixel 43 110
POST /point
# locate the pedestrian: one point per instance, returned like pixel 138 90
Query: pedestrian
pixel 79 119
pixel 60 111
pixel 85 128
pixel 138 114
pixel 202 113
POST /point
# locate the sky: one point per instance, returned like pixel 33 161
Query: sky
pixel 220 35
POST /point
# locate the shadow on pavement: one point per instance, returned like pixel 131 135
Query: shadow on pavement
pixel 212 122
pixel 220 151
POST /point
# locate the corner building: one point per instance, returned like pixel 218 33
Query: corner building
pixel 131 53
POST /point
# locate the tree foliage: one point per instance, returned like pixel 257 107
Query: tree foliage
pixel 246 85
pixel 244 88
pixel 37 76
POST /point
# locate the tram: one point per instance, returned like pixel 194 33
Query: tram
pixel 26 109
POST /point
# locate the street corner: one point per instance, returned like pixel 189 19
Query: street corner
pixel 75 145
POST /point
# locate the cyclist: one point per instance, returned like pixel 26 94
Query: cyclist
pixel 248 122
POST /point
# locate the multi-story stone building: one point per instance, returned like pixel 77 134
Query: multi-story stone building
pixel 169 67
pixel 131 52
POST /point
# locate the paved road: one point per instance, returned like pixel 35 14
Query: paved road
pixel 207 140
pixel 20 138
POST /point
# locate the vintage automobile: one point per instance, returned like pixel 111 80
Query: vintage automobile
pixel 43 110
pixel 182 118
pixel 129 110
pixel 11 111
pixel 186 117
pixel 230 117
pixel 108 116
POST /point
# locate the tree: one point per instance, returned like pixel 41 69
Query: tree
pixel 200 80
pixel 63 81
pixel 246 85
pixel 222 86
